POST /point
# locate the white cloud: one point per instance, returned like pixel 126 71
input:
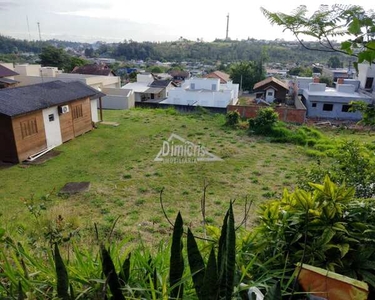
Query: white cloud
pixel 149 20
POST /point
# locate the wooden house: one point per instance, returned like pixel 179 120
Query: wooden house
pixel 39 117
pixel 271 90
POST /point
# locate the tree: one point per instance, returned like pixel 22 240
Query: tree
pixel 247 73
pixel 334 62
pixel 89 52
pixel 326 24
pixel 54 57
pixel 156 69
pixel 300 71
pixel 75 62
pixel 367 111
pixel 327 80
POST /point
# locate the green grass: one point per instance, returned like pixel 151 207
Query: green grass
pixel 126 182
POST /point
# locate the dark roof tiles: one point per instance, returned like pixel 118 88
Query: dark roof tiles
pixel 21 100
pixel 5 72
pixel 93 69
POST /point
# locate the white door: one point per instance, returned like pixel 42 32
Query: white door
pixel 270 95
pixel 52 127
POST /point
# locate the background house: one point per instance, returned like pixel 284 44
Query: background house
pixel 39 117
pixel 206 92
pixel 179 76
pixel 366 77
pixel 115 98
pixel 94 69
pixel 7 76
pixel 334 103
pixel 224 77
pixel 271 90
pixel 148 89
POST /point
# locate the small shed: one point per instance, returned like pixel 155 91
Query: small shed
pixel 39 117
pixel 271 89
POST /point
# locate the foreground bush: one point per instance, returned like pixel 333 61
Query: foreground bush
pixel 325 227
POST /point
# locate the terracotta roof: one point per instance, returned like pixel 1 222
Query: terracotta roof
pixel 224 77
pixel 5 72
pixel 268 80
pixel 93 69
pixel 21 100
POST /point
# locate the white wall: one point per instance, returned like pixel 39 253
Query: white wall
pixel 118 99
pixel 9 66
pixel 94 110
pixel 28 70
pixel 365 71
pixel 317 87
pixel 52 128
pixel 202 83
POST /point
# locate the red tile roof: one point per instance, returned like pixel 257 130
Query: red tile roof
pixel 224 77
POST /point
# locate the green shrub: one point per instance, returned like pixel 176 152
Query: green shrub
pixel 264 121
pixel 232 118
pixel 325 227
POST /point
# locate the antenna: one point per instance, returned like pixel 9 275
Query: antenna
pixel 40 36
pixel 227 36
pixel 28 26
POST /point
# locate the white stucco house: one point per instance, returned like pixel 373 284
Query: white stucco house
pixel 334 103
pixel 366 76
pixel 149 89
pixel 205 92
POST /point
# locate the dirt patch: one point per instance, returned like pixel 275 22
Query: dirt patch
pixel 75 187
pixel 42 159
pixel 114 124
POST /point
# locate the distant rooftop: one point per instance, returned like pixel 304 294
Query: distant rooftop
pixel 268 80
pixel 93 69
pixel 5 72
pixel 224 77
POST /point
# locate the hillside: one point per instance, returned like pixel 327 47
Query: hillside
pixel 183 50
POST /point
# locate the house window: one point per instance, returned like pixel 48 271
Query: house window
pixel 213 87
pixel 328 107
pixel 369 82
pixel 270 93
pixel 77 111
pixel 313 104
pixel 29 128
pixel 51 117
pixel 346 108
pixel 192 86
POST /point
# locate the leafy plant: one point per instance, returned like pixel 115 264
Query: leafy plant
pixel 232 118
pixel 322 227
pixel 265 120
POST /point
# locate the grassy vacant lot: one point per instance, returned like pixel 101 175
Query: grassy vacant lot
pixel 125 181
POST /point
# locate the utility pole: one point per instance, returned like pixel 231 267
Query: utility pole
pixel 227 35
pixel 28 26
pixel 241 86
pixel 40 36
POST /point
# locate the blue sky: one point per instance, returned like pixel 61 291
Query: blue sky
pixel 140 20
